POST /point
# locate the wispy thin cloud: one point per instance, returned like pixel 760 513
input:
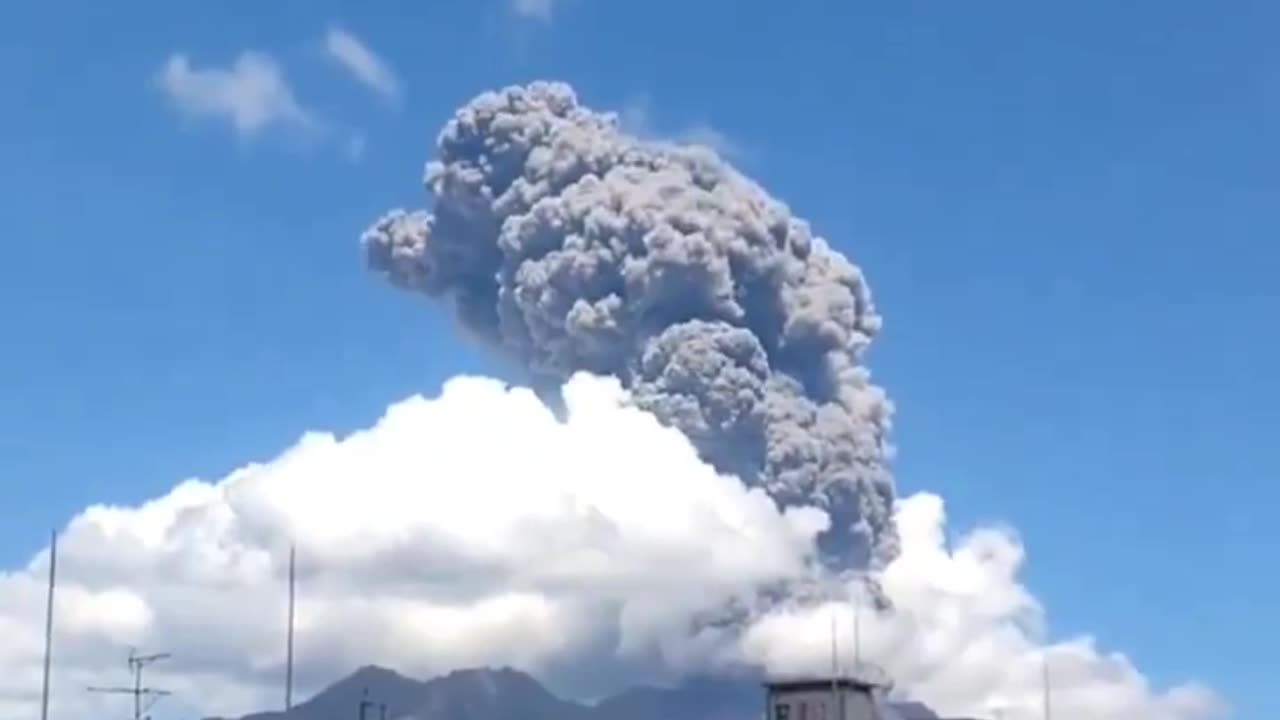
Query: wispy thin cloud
pixel 707 136
pixel 252 93
pixel 355 147
pixel 362 63
pixel 533 9
pixel 637 119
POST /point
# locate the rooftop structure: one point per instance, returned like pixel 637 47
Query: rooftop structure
pixel 855 696
pixel 841 697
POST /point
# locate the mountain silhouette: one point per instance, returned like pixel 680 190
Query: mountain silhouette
pixel 507 694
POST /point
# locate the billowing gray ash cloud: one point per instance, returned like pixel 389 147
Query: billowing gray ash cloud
pixel 568 245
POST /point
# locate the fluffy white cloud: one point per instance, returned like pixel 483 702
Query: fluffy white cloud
pixel 476 528
pixel 362 63
pixel 252 94
pixel 967 637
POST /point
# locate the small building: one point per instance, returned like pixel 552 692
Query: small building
pixel 861 696
pixel 818 698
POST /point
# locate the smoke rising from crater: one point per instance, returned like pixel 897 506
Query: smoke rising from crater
pixel 565 244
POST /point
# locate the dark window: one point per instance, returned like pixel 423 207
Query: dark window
pixel 782 711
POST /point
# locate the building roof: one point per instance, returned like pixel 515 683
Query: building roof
pixel 858 676
pixel 817 682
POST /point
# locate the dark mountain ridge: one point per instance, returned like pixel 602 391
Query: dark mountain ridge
pixel 507 694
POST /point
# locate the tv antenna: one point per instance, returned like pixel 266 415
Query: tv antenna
pixel 137 663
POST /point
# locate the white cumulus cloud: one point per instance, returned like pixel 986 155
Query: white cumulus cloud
pixel 476 528
pixel 252 93
pixel 362 63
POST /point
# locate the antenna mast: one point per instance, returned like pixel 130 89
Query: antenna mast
pixel 857 630
pixel 48 624
pixel 1048 707
pixel 288 673
pixel 836 699
pixel 136 665
pixel 835 651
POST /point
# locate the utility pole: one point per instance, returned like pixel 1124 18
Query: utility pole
pixel 136 665
pixel 288 672
pixel 48 624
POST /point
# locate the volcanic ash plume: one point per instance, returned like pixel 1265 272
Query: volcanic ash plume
pixel 569 245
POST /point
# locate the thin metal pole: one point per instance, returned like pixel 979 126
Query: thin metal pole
pixel 857 632
pixel 835 650
pixel 48 624
pixel 835 666
pixel 137 690
pixel 1048 707
pixel 288 673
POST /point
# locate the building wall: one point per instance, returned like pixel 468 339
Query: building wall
pixel 844 704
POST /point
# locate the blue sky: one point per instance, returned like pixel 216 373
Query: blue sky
pixel 1064 213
